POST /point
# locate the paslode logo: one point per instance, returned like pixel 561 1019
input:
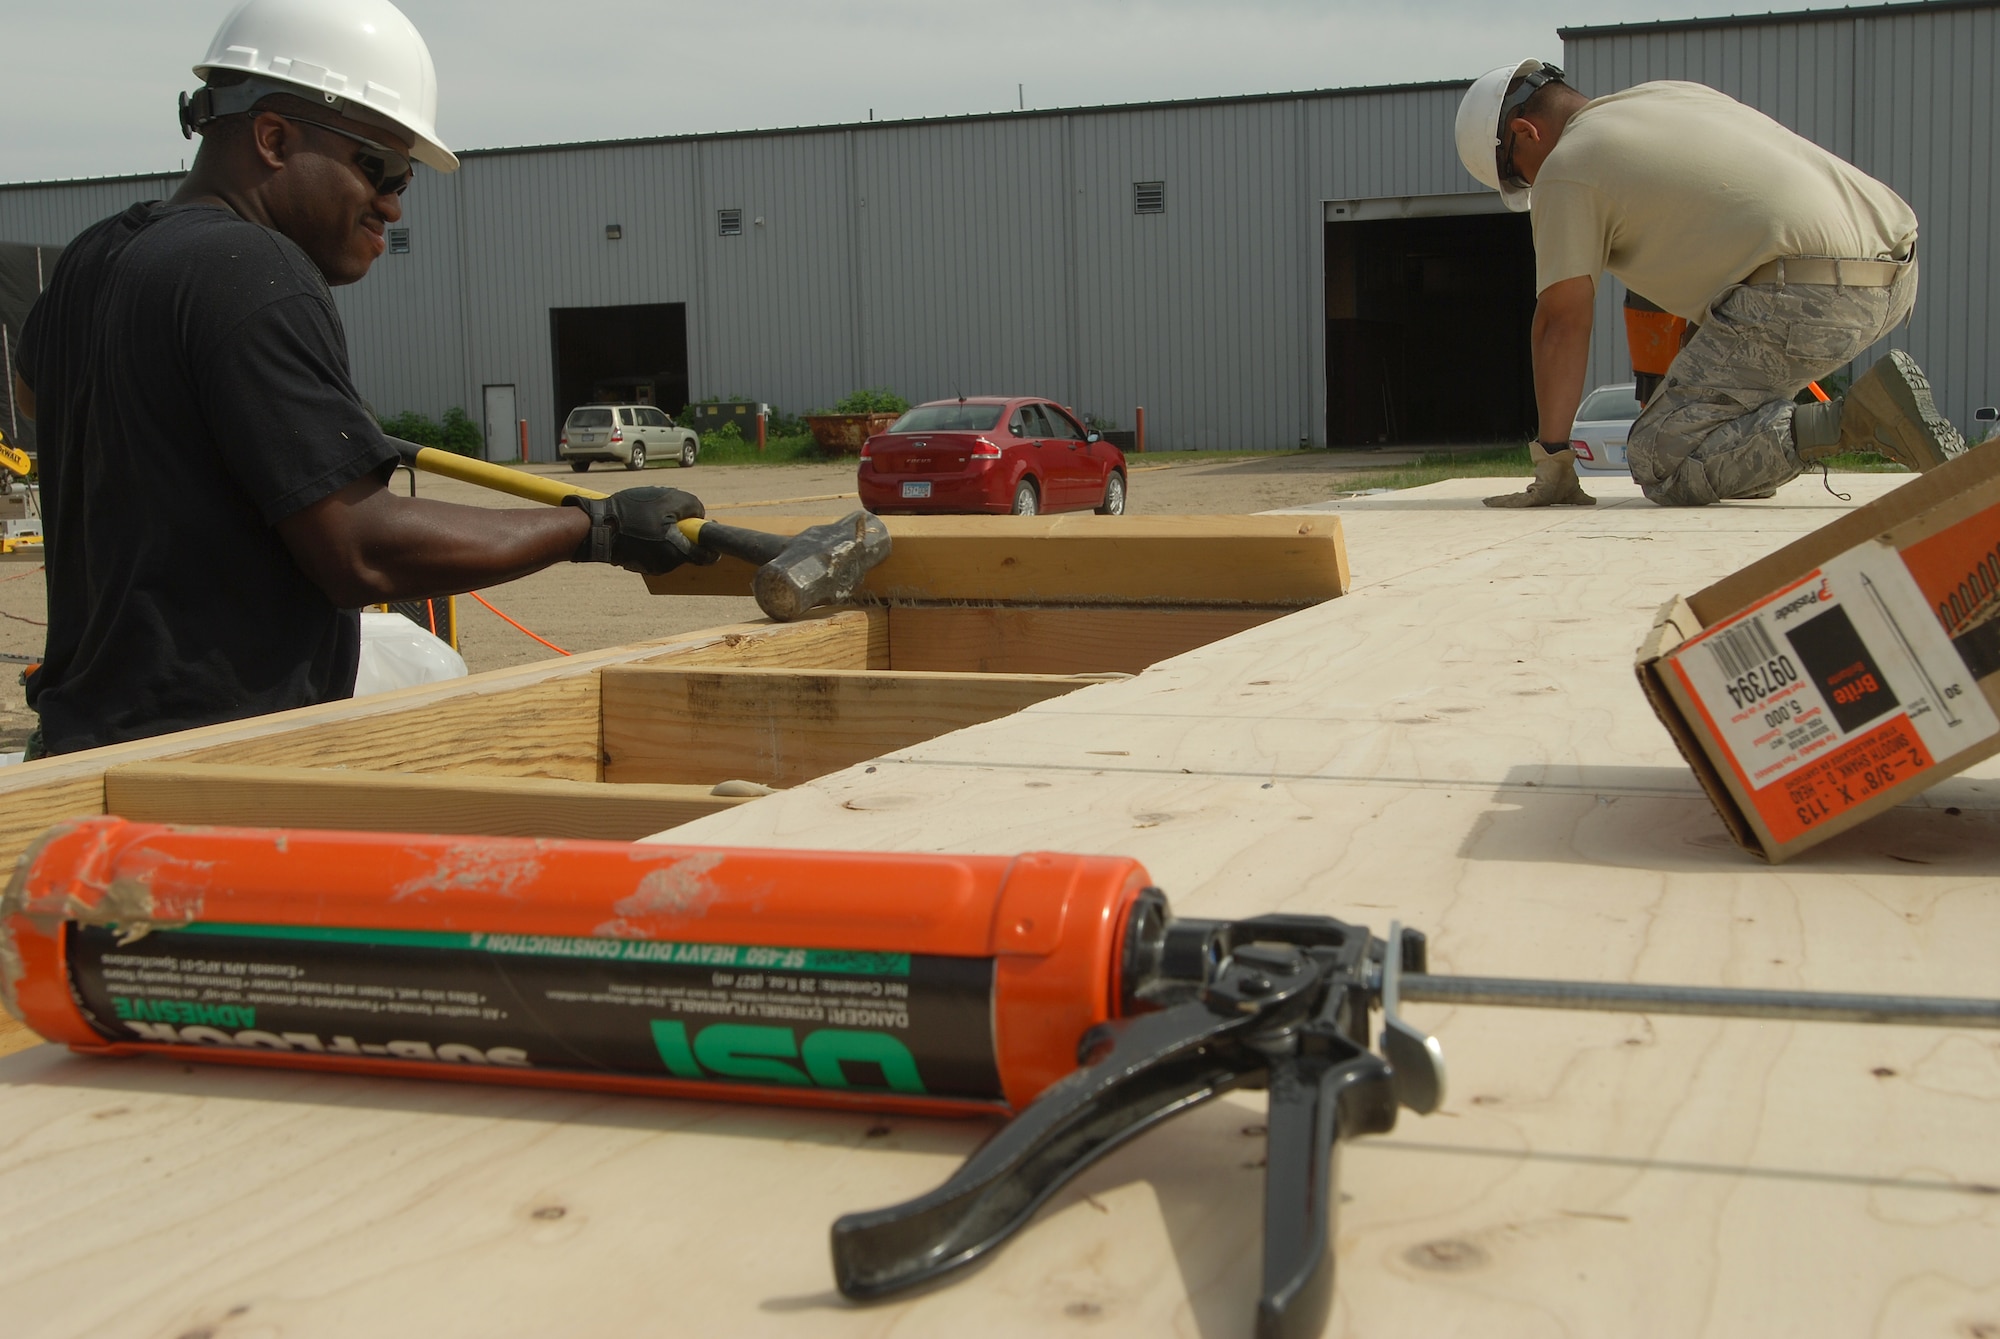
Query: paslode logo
pixel 1803 600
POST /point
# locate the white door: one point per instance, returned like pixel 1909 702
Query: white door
pixel 503 432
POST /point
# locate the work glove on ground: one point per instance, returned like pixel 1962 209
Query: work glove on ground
pixel 638 529
pixel 1555 482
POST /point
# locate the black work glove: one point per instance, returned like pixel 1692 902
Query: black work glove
pixel 636 530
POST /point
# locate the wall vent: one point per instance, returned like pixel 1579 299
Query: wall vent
pixel 729 223
pixel 399 241
pixel 1149 197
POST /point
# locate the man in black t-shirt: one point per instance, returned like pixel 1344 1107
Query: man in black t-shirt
pixel 213 488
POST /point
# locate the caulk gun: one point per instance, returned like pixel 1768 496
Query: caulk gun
pixel 1057 990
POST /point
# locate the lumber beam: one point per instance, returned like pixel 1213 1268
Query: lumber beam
pixel 547 729
pixel 529 720
pixel 783 727
pixel 1080 558
pixel 1004 639
pixel 218 794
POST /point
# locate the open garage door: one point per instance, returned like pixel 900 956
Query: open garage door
pixel 1427 316
pixel 637 354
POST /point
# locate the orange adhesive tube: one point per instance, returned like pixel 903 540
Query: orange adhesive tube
pixel 928 984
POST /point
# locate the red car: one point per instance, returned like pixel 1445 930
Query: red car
pixel 991 453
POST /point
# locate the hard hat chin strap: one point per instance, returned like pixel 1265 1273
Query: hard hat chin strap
pixel 1519 95
pixel 211 102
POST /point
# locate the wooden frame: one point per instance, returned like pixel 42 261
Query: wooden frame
pixel 992 614
pixel 1080 558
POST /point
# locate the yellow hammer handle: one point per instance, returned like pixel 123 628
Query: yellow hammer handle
pixel 503 480
pixel 497 477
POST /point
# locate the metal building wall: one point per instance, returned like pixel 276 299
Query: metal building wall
pixel 1001 252
pixel 51 213
pixel 1907 95
pixel 974 254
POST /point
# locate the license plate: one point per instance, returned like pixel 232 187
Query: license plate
pixel 920 488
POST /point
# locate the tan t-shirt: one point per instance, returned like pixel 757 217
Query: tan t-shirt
pixel 1682 191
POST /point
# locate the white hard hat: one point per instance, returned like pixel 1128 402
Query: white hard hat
pixel 1481 117
pixel 362 58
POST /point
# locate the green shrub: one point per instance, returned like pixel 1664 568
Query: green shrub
pixel 728 432
pixel 461 434
pixel 458 434
pixel 873 400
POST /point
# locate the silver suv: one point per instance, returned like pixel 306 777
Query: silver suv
pixel 631 434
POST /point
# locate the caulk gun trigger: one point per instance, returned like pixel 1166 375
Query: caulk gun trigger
pixel 1415 1059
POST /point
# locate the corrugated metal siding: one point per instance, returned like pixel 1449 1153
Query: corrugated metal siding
pixel 1002 253
pixel 534 240
pixel 405 327
pixel 1908 97
pixel 963 258
pixel 54 213
pixel 778 305
pixel 984 254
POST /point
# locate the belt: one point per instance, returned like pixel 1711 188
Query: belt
pixel 1827 270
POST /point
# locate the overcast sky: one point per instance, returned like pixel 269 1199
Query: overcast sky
pixel 87 86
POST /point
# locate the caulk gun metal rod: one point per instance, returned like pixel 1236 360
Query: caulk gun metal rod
pixel 1710 1001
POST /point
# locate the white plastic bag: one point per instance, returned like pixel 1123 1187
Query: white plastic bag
pixel 396 653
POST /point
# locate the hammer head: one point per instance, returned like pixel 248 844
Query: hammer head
pixel 822 564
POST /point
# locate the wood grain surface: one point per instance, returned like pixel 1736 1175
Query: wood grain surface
pixel 1055 639
pixel 1458 744
pixel 782 727
pixel 534 720
pixel 1080 558
pixel 362 801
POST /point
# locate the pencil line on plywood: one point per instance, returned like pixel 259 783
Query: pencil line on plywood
pixel 1693 1168
pixel 1690 791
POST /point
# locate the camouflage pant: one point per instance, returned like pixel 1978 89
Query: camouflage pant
pixel 1720 426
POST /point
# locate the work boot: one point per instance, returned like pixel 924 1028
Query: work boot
pixel 1555 482
pixel 1889 412
pixel 1816 430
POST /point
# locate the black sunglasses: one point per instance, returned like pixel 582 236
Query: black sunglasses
pixel 387 170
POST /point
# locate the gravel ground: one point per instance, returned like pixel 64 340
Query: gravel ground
pixel 583 607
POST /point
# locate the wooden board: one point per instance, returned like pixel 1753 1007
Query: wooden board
pixel 782 727
pixel 532 720
pixel 1459 744
pixel 1055 640
pixel 311 797
pixel 547 729
pixel 1080 558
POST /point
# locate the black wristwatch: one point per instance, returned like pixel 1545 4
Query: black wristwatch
pixel 1553 447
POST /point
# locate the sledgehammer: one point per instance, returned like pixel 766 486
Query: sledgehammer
pixel 822 564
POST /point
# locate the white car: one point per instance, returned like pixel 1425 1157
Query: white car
pixel 630 434
pixel 1602 421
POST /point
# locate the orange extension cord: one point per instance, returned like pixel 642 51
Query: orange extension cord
pixel 516 626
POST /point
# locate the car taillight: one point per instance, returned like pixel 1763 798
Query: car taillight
pixel 1582 450
pixel 618 434
pixel 563 440
pixel 985 450
pixel 868 450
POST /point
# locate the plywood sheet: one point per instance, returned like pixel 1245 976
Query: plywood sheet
pixel 1459 744
pixel 310 797
pixel 781 727
pixel 1055 640
pixel 1080 558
